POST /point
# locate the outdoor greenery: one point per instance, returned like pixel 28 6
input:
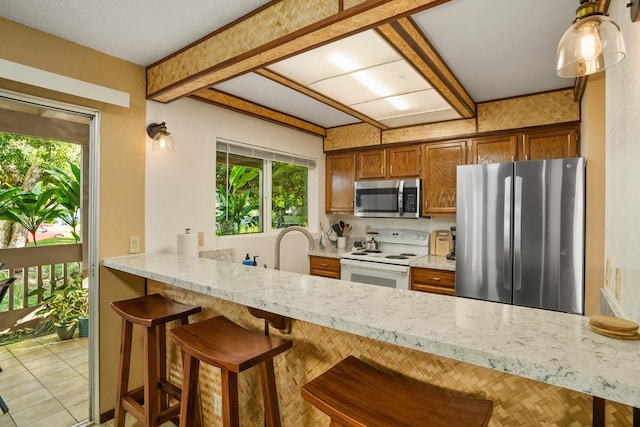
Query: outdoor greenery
pixel 39 182
pixel 238 197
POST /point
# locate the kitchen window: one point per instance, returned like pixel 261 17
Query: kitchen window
pixel 258 189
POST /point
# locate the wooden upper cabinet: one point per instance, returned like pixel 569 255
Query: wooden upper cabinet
pixel 371 164
pixel 494 149
pixel 440 161
pixel 550 144
pixel 404 162
pixel 340 176
pixel 395 162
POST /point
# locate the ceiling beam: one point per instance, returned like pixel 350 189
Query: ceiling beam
pixel 411 43
pixel 276 31
pixel 231 102
pixel 319 97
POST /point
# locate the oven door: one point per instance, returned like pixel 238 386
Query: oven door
pixel 375 273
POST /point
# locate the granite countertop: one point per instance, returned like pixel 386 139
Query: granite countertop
pixel 554 348
pixel 429 261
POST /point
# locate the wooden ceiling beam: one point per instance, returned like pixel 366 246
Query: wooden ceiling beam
pixel 405 36
pixel 271 33
pixel 234 103
pixel 319 97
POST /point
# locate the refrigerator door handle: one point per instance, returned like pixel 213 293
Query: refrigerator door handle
pixel 517 235
pixel 506 270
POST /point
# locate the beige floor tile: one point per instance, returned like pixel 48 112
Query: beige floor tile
pixel 72 396
pixel 83 369
pixel 9 361
pixel 42 361
pixel 74 360
pixel 29 399
pixel 29 354
pixel 58 377
pixel 13 375
pixel 6 420
pixel 20 388
pixel 80 410
pixel 51 368
pixel 61 418
pixel 64 346
pixel 78 383
pixel 40 411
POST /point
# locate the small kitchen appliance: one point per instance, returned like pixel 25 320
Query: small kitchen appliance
pixel 389 198
pixel 452 254
pixel 389 264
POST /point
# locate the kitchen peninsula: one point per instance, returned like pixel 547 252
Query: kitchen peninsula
pixel 475 347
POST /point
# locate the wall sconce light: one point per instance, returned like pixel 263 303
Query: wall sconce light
pixel 594 42
pixel 162 140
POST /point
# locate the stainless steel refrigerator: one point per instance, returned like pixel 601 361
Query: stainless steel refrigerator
pixel 520 233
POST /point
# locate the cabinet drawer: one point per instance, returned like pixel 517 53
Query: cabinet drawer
pixel 324 266
pixel 435 281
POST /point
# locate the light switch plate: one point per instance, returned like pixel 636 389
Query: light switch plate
pixel 134 244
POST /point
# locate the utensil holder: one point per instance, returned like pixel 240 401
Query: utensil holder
pixel 342 242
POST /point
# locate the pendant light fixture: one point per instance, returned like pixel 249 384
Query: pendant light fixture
pixel 162 140
pixel 594 42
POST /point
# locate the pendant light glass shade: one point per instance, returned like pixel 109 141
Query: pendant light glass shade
pixel 590 45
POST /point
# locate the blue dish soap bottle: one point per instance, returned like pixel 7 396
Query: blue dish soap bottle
pixel 247 261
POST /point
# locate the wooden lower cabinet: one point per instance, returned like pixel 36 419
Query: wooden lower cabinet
pixel 434 281
pixel 324 266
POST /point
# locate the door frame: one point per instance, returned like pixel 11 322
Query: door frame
pixel 93 218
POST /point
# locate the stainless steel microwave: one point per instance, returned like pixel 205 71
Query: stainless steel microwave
pixel 390 198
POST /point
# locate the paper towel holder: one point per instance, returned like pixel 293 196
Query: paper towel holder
pixel 162 139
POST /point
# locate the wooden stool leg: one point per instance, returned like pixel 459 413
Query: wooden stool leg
pixel 123 371
pixel 598 412
pixel 269 394
pixel 151 409
pixel 189 411
pixel 161 374
pixel 230 406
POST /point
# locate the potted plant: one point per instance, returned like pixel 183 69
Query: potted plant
pixel 63 308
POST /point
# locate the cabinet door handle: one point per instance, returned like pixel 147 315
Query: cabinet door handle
pixel 435 279
pixel 324 264
pixel 391 170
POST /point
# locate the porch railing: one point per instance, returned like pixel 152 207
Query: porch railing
pixel 39 268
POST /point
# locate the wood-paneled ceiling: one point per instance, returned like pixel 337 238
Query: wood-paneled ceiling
pixel 467 51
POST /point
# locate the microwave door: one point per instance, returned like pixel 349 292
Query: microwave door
pixel 376 202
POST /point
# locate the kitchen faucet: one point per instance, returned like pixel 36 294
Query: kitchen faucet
pixel 312 245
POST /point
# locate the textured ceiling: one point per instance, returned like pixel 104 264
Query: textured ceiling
pixel 496 48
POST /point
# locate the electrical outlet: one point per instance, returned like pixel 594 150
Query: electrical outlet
pixel 217 404
pixel 134 244
pixel 200 238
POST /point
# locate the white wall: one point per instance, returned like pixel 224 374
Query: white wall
pixel 180 186
pixel 622 227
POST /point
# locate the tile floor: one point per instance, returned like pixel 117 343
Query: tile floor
pixel 45 382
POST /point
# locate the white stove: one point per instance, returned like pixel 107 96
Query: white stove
pixel 389 266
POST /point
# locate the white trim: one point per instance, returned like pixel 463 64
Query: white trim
pixel 93 246
pixel 45 79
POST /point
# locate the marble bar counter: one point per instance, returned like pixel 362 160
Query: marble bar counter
pixel 549 347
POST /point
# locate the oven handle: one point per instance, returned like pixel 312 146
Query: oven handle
pixel 375 265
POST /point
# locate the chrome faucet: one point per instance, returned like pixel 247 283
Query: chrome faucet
pixel 312 245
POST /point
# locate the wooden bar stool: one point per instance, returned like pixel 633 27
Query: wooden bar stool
pixel 153 312
pixel 355 394
pixel 233 349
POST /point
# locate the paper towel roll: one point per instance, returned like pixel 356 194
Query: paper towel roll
pixel 188 244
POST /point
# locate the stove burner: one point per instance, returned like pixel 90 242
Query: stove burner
pixel 397 257
pixel 408 254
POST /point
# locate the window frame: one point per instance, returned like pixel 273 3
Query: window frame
pixel 267 184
